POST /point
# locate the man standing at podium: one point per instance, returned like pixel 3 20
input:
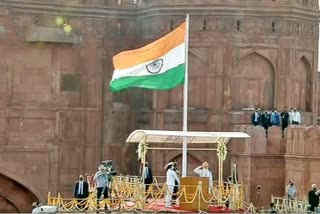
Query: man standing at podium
pixel 171 177
pixel 204 171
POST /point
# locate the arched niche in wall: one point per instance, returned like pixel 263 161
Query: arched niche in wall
pixel 253 83
pixel 15 197
pixel 301 85
pixel 6 206
pixel 193 162
pixel 199 83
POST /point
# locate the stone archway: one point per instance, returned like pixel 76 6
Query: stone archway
pixel 6 206
pixel 14 197
pixel 253 83
pixel 301 86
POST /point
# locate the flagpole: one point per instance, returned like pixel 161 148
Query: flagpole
pixel 185 102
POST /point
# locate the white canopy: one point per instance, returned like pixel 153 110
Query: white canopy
pixel 161 136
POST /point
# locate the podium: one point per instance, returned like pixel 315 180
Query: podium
pixel 191 184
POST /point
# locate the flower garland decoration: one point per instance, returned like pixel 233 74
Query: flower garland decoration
pixel 142 150
pixel 222 151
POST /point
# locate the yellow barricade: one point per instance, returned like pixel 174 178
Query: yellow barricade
pixel 127 193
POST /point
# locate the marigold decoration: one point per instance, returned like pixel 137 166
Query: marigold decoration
pixel 222 151
pixel 142 151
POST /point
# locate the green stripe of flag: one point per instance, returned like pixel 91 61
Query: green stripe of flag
pixel 167 80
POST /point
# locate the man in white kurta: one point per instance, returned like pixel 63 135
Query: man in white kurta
pixel 171 177
pixel 204 171
pixel 295 117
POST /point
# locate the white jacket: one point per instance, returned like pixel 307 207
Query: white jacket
pixel 171 177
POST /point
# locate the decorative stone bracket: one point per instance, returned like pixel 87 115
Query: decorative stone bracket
pixel 45 34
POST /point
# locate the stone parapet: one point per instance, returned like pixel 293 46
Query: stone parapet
pixel 302 160
pixel 299 140
pixel 93 9
pixel 147 8
pixel 295 156
pixel 303 141
pixel 260 143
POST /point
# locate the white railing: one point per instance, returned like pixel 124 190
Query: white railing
pixel 283 204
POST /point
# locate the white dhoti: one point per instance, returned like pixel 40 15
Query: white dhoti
pixel 168 196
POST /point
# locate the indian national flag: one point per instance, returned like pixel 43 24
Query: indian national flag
pixel 159 65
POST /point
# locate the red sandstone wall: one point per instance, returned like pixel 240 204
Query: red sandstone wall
pixel 302 157
pixel 272 162
pixel 58 118
pixel 52 102
pixel 260 162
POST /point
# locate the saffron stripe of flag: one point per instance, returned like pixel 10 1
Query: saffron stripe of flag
pixel 159 65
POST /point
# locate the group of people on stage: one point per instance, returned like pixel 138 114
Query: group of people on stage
pixel 173 181
pixel 274 118
pixel 100 180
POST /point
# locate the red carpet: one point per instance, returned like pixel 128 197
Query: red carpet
pixel 158 206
